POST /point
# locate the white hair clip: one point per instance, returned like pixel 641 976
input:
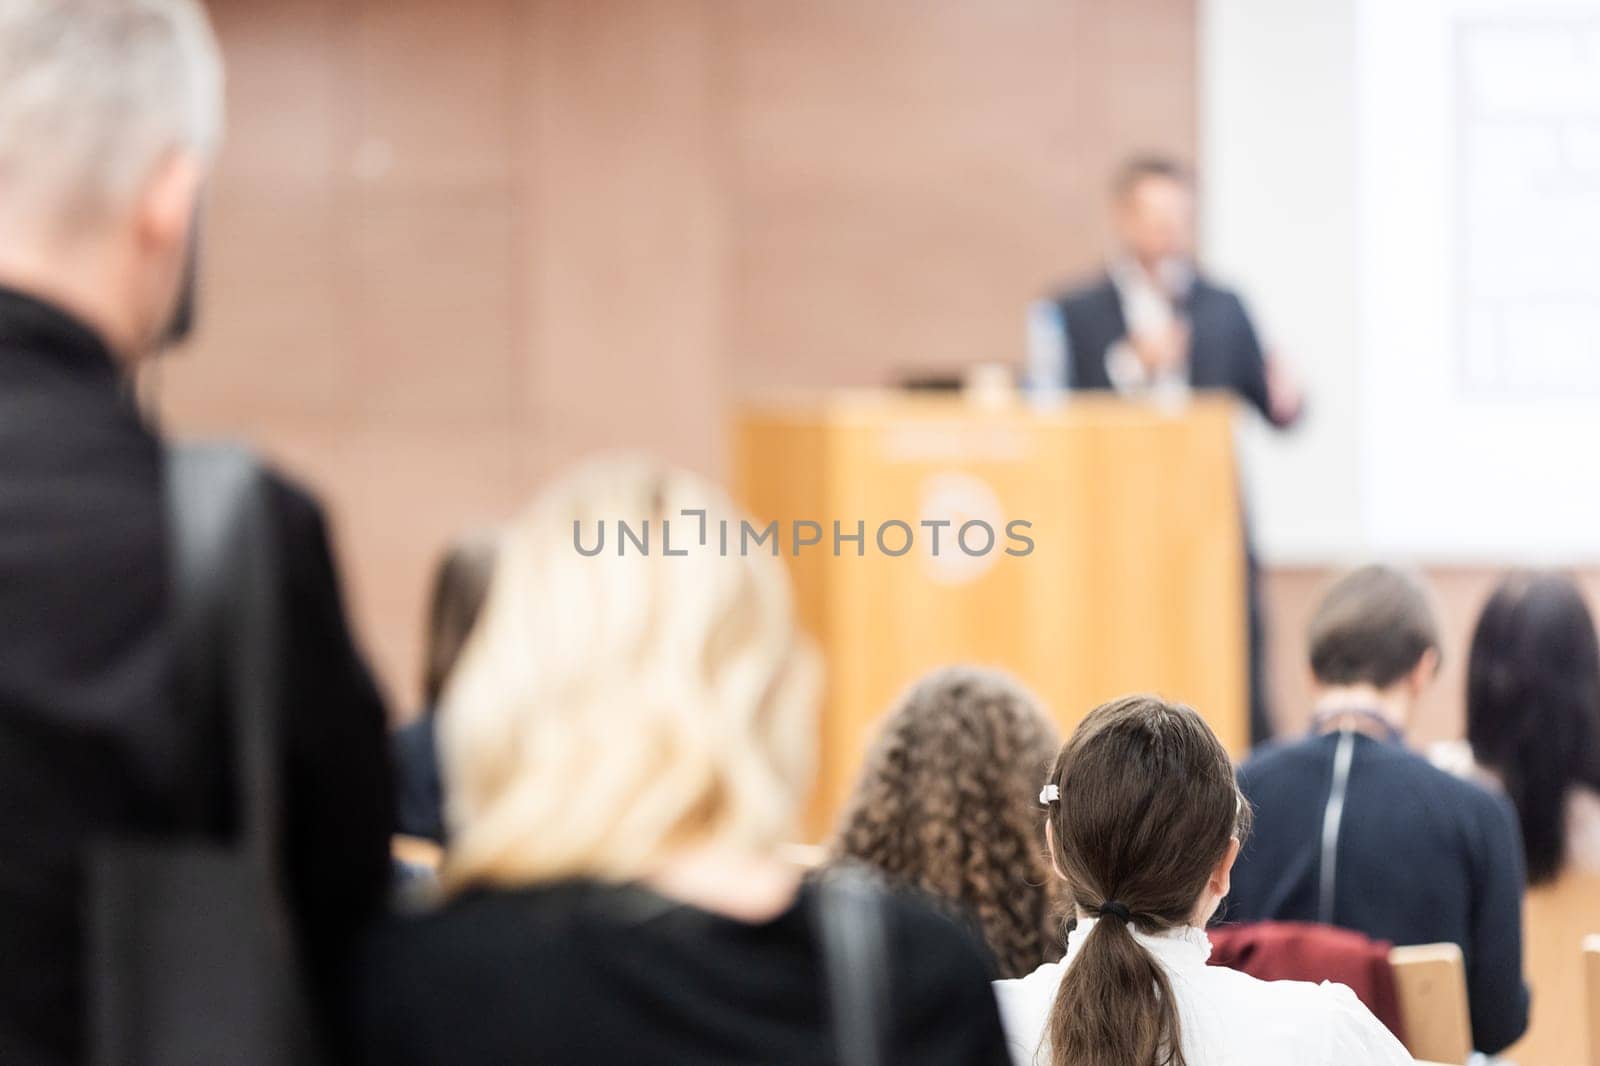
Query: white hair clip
pixel 1049 794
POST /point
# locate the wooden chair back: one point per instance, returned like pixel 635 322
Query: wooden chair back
pixel 1431 980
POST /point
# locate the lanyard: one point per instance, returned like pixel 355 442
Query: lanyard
pixel 1332 816
pixel 1391 732
pixel 1333 812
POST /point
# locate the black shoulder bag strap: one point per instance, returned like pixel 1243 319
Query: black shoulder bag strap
pixel 229 622
pixel 855 956
pixel 192 958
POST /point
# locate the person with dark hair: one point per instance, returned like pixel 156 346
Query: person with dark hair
pixel 460 585
pixel 1144 822
pixel 1152 325
pixel 1353 829
pixel 1533 717
pixel 944 805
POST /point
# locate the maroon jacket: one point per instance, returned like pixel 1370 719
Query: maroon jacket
pixel 1306 951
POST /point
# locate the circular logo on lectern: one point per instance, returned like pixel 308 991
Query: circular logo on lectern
pixel 966 514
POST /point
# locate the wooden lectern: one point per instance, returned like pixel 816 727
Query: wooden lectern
pixel 1134 582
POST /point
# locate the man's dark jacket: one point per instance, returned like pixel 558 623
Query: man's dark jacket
pixel 91 744
pixel 1224 351
pixel 1421 857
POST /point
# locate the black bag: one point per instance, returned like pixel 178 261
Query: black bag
pixel 855 960
pixel 192 959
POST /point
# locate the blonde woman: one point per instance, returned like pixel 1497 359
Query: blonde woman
pixel 626 742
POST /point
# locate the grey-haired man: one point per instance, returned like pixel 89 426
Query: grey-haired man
pixel 110 112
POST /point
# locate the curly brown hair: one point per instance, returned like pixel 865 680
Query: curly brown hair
pixel 946 804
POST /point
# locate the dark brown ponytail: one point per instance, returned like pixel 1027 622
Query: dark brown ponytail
pixel 1146 806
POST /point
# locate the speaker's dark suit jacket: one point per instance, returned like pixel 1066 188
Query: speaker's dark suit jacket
pixel 1224 352
pixel 91 744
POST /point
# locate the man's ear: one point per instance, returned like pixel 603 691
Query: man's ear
pixel 1424 672
pixel 1313 682
pixel 166 207
pixel 1221 882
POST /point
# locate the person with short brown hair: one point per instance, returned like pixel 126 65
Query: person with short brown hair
pixel 1356 830
pixel 1373 627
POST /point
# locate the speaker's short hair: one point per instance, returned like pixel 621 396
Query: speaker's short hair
pixel 1372 626
pixel 1138 168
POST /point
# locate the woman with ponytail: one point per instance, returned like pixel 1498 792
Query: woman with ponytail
pixel 1143 821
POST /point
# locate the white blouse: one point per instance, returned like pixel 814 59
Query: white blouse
pixel 1228 1018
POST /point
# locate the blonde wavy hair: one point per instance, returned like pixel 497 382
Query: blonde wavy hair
pixel 611 708
pixel 947 804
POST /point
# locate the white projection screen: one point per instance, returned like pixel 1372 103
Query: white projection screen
pixel 1477 204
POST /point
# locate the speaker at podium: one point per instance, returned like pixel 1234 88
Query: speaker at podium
pixel 1089 546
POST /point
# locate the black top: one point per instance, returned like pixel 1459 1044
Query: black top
pixel 1422 857
pixel 583 973
pixel 90 743
pixel 1224 352
pixel 419 795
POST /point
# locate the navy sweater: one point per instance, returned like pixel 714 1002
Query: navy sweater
pixel 1422 857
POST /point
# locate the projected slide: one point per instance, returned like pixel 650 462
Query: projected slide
pixel 1527 106
pixel 1478 212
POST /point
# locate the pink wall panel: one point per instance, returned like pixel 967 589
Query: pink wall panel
pixel 456 244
